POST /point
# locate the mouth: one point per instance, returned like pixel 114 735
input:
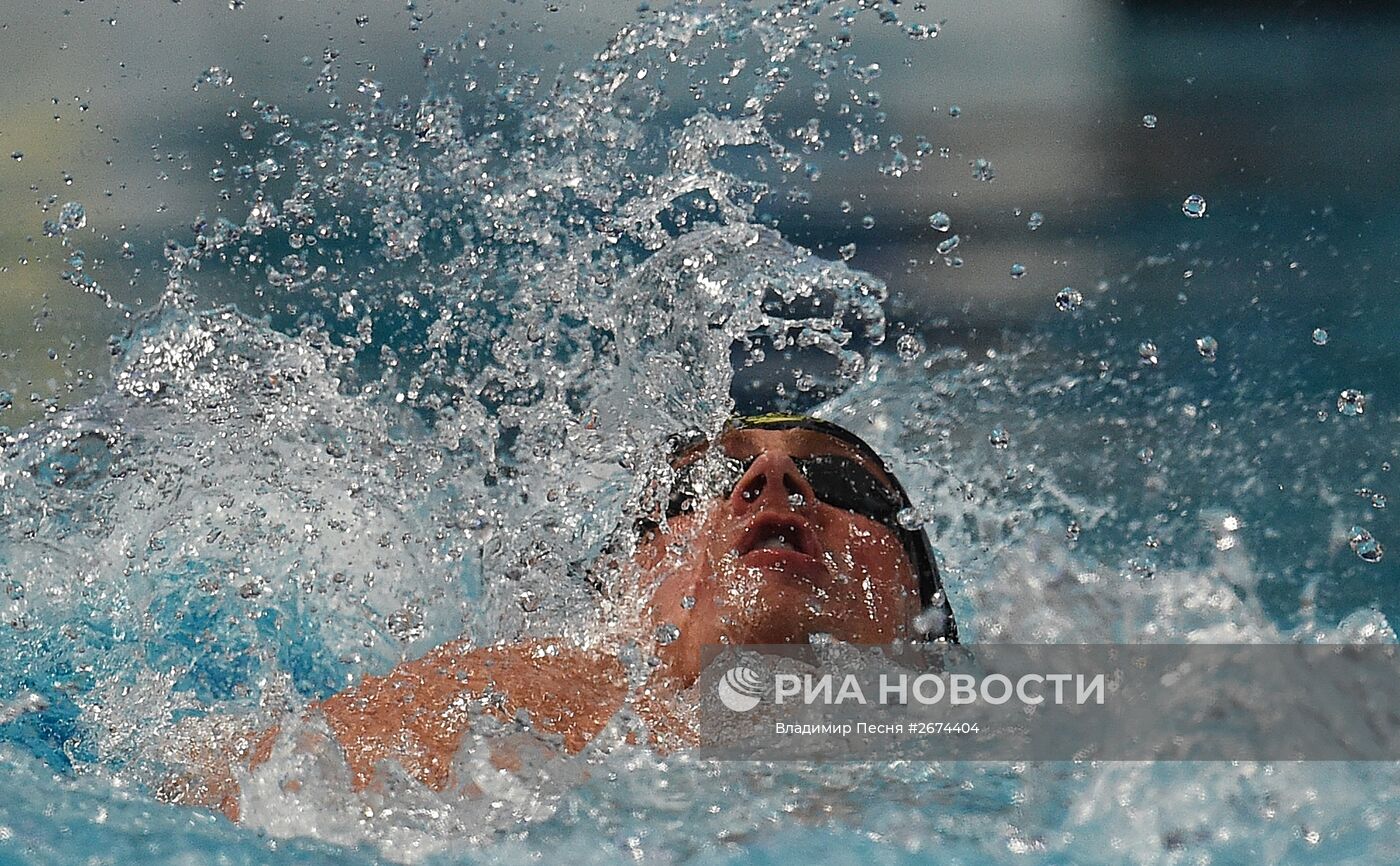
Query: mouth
pixel 779 540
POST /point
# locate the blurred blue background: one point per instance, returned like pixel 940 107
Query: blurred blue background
pixel 1283 116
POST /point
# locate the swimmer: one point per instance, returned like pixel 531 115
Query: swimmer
pixel 781 528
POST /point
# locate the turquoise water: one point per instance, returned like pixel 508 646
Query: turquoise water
pixel 411 380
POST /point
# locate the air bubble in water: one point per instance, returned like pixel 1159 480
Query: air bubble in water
pixel 1149 121
pixel 1018 270
pixel 940 221
pixel 1147 351
pixel 1319 336
pixel 1351 402
pixel 909 347
pixel 1207 346
pixel 1365 545
pixel 1194 206
pixel 947 245
pixel 1068 300
pixel 999 438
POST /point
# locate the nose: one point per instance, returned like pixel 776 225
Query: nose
pixel 770 482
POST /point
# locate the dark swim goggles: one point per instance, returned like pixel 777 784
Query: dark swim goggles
pixel 837 480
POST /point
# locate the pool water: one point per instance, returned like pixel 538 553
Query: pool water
pixel 415 387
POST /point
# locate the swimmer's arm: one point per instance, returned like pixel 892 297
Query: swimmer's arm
pixel 417 713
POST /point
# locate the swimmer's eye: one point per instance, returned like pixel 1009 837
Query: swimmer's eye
pixel 846 484
pixel 713 476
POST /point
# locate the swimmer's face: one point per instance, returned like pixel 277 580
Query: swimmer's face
pixel 766 560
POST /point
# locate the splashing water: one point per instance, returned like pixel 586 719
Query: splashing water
pixel 416 390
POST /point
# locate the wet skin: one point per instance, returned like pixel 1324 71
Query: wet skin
pixel 766 562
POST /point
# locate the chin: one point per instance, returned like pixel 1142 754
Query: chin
pixel 777 617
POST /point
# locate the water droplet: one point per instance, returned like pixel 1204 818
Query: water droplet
pixel 947 245
pixel 406 623
pixel 1068 300
pixel 1147 351
pixel 1365 545
pixel 982 170
pixel 1145 455
pixel 909 347
pixel 1142 568
pixel 17 155
pixel 688 602
pixel 1036 220
pixel 848 252
pixel 71 217
pixel 6 400
pixel 1149 121
pixel 868 221
pixel 940 221
pixel 932 619
pixel 1194 206
pixel 910 518
pixel 999 438
pixel 812 171
pixel 1073 531
pixel 1351 403
pixel 246 130
pixel 1378 500
pixel 954 111
pixel 1018 270
pixel 667 634
pixel 1207 346
pixel 1319 336
pixel 361 20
